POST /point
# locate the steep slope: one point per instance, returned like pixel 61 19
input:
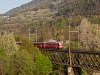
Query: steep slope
pixel 80 7
pixel 34 5
pixel 64 7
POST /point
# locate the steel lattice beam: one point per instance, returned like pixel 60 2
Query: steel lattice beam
pixel 84 59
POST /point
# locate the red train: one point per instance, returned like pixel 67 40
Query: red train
pixel 48 45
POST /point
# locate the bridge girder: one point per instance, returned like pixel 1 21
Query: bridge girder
pixel 90 60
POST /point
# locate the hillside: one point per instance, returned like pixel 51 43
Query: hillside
pixel 49 17
pixel 80 7
pixel 60 7
pixel 33 6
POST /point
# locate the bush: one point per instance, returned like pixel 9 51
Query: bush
pixel 84 72
pixel 43 64
pixel 22 63
pixel 4 62
pixel 25 60
pixel 54 73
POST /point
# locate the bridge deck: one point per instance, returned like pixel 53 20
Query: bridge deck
pixel 73 51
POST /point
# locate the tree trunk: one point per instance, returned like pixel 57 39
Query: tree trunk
pixel 0 71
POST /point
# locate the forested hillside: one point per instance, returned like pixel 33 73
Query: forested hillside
pixel 60 7
pixel 80 7
pixel 33 6
pixel 49 17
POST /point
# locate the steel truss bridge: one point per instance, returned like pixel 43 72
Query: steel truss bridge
pixel 90 60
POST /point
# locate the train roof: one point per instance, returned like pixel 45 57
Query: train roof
pixel 45 42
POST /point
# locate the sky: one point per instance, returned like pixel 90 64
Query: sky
pixel 6 5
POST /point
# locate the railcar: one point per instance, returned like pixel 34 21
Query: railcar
pixel 48 45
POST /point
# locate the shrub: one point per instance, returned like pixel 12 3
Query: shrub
pixel 43 64
pixel 22 63
pixel 4 62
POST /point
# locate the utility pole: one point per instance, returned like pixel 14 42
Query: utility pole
pixel 36 35
pixel 70 47
pixel 78 37
pixel 29 34
pixel 70 68
pixel 76 31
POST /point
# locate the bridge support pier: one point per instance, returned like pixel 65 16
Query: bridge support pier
pixel 74 71
pixel 70 71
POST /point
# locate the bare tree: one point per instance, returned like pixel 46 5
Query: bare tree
pixel 89 35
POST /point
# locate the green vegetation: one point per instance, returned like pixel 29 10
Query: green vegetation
pixel 8 43
pixel 21 60
pixel 51 18
pixel 43 65
pixel 84 72
pixel 4 62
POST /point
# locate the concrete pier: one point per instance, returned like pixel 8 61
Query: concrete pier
pixel 70 71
